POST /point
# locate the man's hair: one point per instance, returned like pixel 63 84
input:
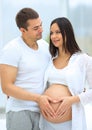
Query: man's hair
pixel 24 15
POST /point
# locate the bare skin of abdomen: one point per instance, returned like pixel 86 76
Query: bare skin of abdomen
pixel 56 91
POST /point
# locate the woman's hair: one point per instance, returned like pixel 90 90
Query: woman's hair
pixel 24 15
pixel 69 43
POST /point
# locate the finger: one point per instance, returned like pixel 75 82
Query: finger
pixel 44 114
pixel 50 111
pixel 60 110
pixel 47 115
pixel 63 115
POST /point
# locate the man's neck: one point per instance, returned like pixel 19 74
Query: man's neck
pixel 31 44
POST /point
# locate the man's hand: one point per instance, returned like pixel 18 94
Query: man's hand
pixel 46 108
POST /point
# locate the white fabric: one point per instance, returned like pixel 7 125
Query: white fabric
pixel 79 70
pixel 31 66
pixel 57 76
pixel 45 125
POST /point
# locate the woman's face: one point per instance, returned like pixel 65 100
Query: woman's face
pixel 56 36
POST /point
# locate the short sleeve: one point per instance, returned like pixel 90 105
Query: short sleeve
pixel 10 55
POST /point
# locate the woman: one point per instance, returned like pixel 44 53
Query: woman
pixel 66 76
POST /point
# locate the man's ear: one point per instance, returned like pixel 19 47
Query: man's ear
pixel 22 30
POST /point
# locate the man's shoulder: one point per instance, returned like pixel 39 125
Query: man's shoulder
pixel 12 44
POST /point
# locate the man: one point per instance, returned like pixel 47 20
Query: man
pixel 23 63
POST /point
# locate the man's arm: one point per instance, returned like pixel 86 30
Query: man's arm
pixel 8 77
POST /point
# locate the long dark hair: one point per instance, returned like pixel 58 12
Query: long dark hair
pixel 69 43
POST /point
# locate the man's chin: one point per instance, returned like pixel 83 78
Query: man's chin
pixel 40 37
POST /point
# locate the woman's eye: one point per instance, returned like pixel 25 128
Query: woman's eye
pixel 58 32
pixel 51 33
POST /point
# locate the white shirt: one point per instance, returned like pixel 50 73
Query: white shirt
pixel 31 66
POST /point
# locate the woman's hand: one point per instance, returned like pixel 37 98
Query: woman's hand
pixel 66 104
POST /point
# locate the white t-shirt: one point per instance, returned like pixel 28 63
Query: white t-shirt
pixel 31 66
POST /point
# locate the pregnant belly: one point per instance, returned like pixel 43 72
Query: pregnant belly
pixel 56 91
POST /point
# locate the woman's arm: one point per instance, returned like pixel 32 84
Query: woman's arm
pixel 86 97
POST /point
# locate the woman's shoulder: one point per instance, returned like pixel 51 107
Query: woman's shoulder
pixel 81 58
pixel 81 55
pixel 84 56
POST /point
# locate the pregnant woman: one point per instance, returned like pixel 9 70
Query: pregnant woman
pixel 65 80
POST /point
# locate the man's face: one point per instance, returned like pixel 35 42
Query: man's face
pixel 34 29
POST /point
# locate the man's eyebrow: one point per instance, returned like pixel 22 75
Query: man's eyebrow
pixel 37 26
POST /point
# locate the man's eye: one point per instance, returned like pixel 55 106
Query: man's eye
pixel 35 28
pixel 38 27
